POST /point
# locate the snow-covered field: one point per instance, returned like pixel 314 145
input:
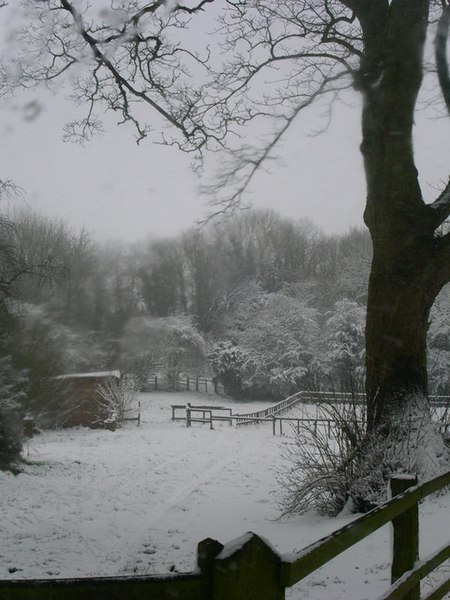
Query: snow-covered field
pixel 138 500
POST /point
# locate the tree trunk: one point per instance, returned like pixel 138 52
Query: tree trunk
pixel 404 279
pixel 398 308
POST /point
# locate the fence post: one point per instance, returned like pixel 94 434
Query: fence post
pixel 156 382
pixel 207 550
pixel 188 414
pixel 196 384
pixel 405 535
pixel 28 427
pixel 187 384
pixel 247 568
pixel 274 420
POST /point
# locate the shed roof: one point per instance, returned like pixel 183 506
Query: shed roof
pixel 93 375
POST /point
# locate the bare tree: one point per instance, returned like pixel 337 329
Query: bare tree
pixel 279 58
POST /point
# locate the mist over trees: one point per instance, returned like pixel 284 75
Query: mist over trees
pixel 265 305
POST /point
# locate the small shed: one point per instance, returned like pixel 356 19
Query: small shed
pixel 82 404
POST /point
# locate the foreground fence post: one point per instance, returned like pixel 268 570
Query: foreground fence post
pixel 247 568
pixel 207 550
pixel 405 535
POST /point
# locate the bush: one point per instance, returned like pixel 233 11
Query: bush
pixel 229 362
pixel 321 460
pixel 338 465
pixel 118 401
pixel 10 439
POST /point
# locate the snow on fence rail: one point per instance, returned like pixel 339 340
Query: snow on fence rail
pixel 249 568
pixel 302 397
pixel 309 397
pixel 191 414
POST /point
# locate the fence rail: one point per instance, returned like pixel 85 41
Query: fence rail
pixel 187 586
pixel 333 398
pixel 249 568
pixel 191 414
pixel 273 414
pixel 197 384
pixel 302 397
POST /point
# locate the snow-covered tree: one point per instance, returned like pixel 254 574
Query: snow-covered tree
pixel 279 335
pixel 12 390
pixel 171 344
pixel 230 364
pixel 439 345
pixel 344 344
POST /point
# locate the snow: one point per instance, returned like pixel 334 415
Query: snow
pixel 138 500
pixel 96 375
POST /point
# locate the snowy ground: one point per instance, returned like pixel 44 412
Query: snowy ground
pixel 139 500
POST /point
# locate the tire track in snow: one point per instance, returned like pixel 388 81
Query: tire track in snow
pixel 204 473
pixel 136 526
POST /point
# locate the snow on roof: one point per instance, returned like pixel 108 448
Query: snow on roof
pixel 94 375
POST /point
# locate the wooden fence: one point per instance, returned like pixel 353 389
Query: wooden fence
pixel 273 413
pixel 190 384
pixel 248 568
pixel 201 414
pixel 302 397
pixel 134 414
pixel 208 414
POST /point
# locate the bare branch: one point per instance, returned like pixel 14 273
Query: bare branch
pixel 284 55
pixel 245 163
pixel 124 84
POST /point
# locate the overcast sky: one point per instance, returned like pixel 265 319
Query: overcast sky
pixel 117 189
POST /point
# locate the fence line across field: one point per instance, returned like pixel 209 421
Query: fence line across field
pixel 190 384
pixel 191 414
pixel 273 414
pixel 248 567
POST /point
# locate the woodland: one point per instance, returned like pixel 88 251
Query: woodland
pixel 266 305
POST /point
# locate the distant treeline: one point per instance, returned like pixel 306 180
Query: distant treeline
pixel 264 304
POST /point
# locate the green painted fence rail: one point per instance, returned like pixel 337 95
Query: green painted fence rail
pixel 184 587
pixel 296 567
pixel 248 568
